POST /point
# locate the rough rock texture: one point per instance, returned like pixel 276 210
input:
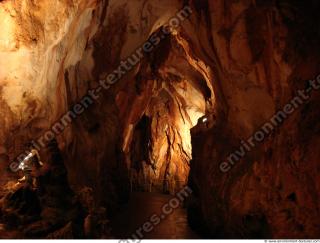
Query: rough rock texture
pixel 69 49
pixel 51 210
pixel 50 62
pixel 262 53
pixel 36 213
pixel 237 62
pixel 173 103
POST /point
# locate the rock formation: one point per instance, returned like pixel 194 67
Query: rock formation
pixel 224 71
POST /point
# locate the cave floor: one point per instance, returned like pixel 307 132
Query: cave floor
pixel 138 211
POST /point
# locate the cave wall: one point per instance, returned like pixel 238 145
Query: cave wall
pixel 50 59
pixel 174 108
pixel 261 54
pixel 243 60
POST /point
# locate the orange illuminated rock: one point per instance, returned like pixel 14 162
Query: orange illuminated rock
pixel 235 63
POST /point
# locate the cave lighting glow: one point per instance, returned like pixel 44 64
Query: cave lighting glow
pixel 7 26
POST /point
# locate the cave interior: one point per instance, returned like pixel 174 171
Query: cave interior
pixel 128 103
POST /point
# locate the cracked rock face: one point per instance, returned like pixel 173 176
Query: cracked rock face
pixel 234 62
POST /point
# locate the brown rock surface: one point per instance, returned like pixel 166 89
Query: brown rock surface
pixel 236 62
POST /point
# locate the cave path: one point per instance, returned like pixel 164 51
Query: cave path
pixel 138 211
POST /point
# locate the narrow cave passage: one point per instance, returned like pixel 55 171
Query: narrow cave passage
pixel 159 155
pixel 160 150
pixel 168 98
pixel 157 111
pixel 159 172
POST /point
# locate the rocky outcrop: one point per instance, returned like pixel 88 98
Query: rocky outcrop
pixel 36 213
pixel 52 210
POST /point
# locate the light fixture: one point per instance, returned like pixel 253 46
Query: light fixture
pixel 204 120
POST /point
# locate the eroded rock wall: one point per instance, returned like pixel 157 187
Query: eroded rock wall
pixel 261 54
pixel 51 55
pixel 236 61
